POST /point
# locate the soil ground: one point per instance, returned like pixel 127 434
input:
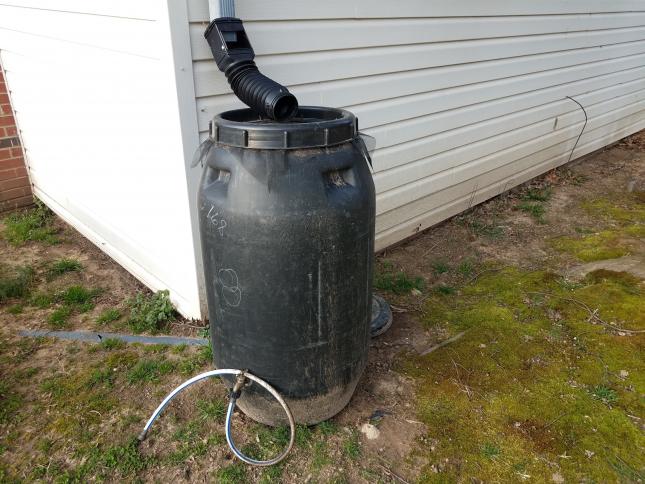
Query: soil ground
pixel 516 354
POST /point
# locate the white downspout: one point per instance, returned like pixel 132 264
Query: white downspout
pixel 221 8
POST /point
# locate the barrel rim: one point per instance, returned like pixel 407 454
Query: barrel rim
pixel 313 126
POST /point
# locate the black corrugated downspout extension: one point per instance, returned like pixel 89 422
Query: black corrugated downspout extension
pixel 234 57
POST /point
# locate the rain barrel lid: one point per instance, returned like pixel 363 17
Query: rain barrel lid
pixel 312 127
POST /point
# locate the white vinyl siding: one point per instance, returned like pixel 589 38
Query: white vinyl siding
pixel 465 99
pixel 94 91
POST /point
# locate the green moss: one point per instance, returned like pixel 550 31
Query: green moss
pixel 627 209
pixel 533 379
pixel 31 225
pixel 600 246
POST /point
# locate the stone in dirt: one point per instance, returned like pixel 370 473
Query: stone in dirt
pixel 370 431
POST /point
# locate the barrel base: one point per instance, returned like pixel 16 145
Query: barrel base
pixel 306 411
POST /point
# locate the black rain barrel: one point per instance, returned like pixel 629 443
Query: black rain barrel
pixel 286 214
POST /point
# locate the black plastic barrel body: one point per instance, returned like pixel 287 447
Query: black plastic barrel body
pixel 288 239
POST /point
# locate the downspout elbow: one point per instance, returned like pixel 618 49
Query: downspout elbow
pixel 235 58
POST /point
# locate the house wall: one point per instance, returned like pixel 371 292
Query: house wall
pixel 465 99
pixel 94 87
pixel 15 189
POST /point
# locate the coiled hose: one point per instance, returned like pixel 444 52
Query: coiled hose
pixel 241 377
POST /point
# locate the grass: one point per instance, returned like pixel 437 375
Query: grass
pixel 110 344
pixel 149 370
pixel 41 300
pixel 537 194
pixel 440 267
pixel 150 312
pixel 352 446
pixel 63 266
pixel 231 474
pixel 397 282
pixel 10 402
pixel 466 268
pixel 535 210
pixel 73 299
pixel 15 281
pixel 78 296
pixel 30 225
pixel 59 318
pixel 15 309
pixel 212 409
pixel 108 316
pixel 445 289
pixel 604 394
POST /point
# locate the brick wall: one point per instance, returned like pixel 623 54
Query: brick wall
pixel 15 189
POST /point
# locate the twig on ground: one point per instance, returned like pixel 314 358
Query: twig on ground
pixel 593 314
pixel 390 472
pixel 443 343
pixel 476 276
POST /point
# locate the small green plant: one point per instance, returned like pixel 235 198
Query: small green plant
pixel 490 450
pixel 352 446
pixel 15 309
pixel 15 282
pixel 466 268
pixel 537 194
pixel 327 427
pixel 110 344
pixel 535 210
pixel 9 402
pixel 30 225
pixel 150 312
pixel 232 474
pixel 490 230
pixel 445 290
pixel 101 376
pixel 605 394
pixel 398 283
pixel 108 316
pixel 60 317
pixel 212 409
pixel 78 296
pixel 149 370
pixel 440 267
pixel 41 300
pixel 63 266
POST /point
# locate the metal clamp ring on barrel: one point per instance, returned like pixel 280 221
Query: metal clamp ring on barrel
pixel 241 377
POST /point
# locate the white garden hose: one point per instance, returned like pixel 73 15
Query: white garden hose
pixel 241 377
